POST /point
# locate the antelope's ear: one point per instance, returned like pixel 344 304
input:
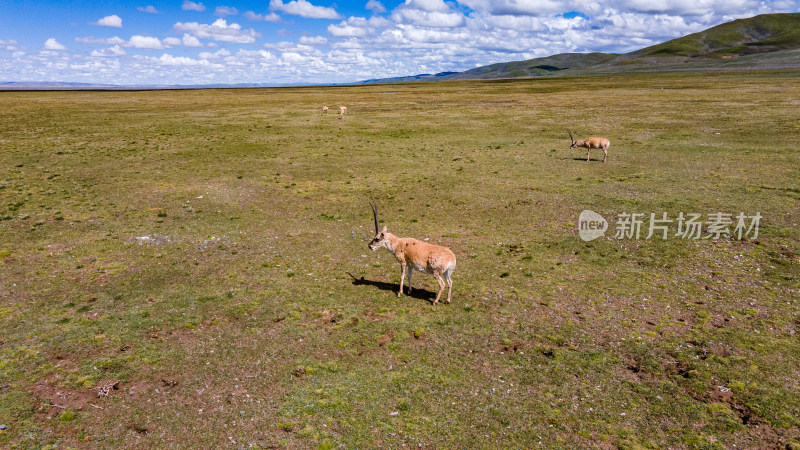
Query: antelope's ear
pixel 384 229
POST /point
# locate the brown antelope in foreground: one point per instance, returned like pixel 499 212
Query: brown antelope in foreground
pixel 416 255
pixel 342 110
pixel 590 143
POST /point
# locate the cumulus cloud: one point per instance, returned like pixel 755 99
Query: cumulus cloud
pixel 293 58
pixel 221 53
pixel 313 40
pixel 10 45
pixel 106 41
pixel 191 41
pixel 271 17
pixel 170 42
pixel 53 44
pixel 303 8
pixel 109 21
pixel 291 47
pixel 428 13
pixel 220 31
pixel 528 7
pixel 169 60
pixel 145 42
pixel 375 6
pixel 688 7
pixel 225 11
pixel 358 26
pixel 111 51
pixel 148 9
pixel 189 5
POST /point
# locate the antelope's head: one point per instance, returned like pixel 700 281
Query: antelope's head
pixel 380 235
pixel 572 139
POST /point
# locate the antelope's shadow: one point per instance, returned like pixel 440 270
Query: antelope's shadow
pixel 420 294
pixel 582 159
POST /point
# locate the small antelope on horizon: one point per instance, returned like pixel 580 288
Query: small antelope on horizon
pixel 342 111
pixel 325 110
pixel 590 143
pixel 413 254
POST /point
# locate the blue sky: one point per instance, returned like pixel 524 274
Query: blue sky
pixel 277 42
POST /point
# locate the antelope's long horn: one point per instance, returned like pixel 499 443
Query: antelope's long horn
pixel 570 136
pixel 374 215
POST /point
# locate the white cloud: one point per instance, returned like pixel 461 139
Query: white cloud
pixel 313 40
pixel 10 45
pixel 303 8
pixel 109 21
pixel 106 41
pixel 169 60
pixel 428 13
pixel 53 44
pixel 189 5
pixel 528 7
pixel 111 51
pixel 220 31
pixel 291 47
pixel 225 11
pixel 346 30
pixel 688 7
pixel 271 17
pixel 293 58
pixel 375 6
pixel 191 41
pixel 145 42
pixel 221 53
pixel 258 56
pixel 358 26
pixel 148 9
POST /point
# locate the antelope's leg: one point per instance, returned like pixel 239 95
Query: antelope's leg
pixel 449 286
pixel 410 271
pixel 441 286
pixel 402 276
pixel 605 155
pixel 588 153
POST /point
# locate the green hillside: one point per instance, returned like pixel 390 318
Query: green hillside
pixel 535 67
pixel 760 34
pixel 768 41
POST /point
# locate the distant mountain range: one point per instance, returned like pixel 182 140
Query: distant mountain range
pixel 769 41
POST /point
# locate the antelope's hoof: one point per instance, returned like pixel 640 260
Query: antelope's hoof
pixel 399 294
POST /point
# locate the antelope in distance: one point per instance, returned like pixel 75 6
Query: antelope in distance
pixel 589 144
pixel 413 254
pixel 342 111
pixel 325 110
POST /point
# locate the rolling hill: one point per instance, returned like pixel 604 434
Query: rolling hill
pixel 768 41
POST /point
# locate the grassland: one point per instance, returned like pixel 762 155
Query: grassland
pixel 200 255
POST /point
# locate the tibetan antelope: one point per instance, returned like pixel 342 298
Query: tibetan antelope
pixel 590 143
pixel 325 110
pixel 342 110
pixel 416 255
